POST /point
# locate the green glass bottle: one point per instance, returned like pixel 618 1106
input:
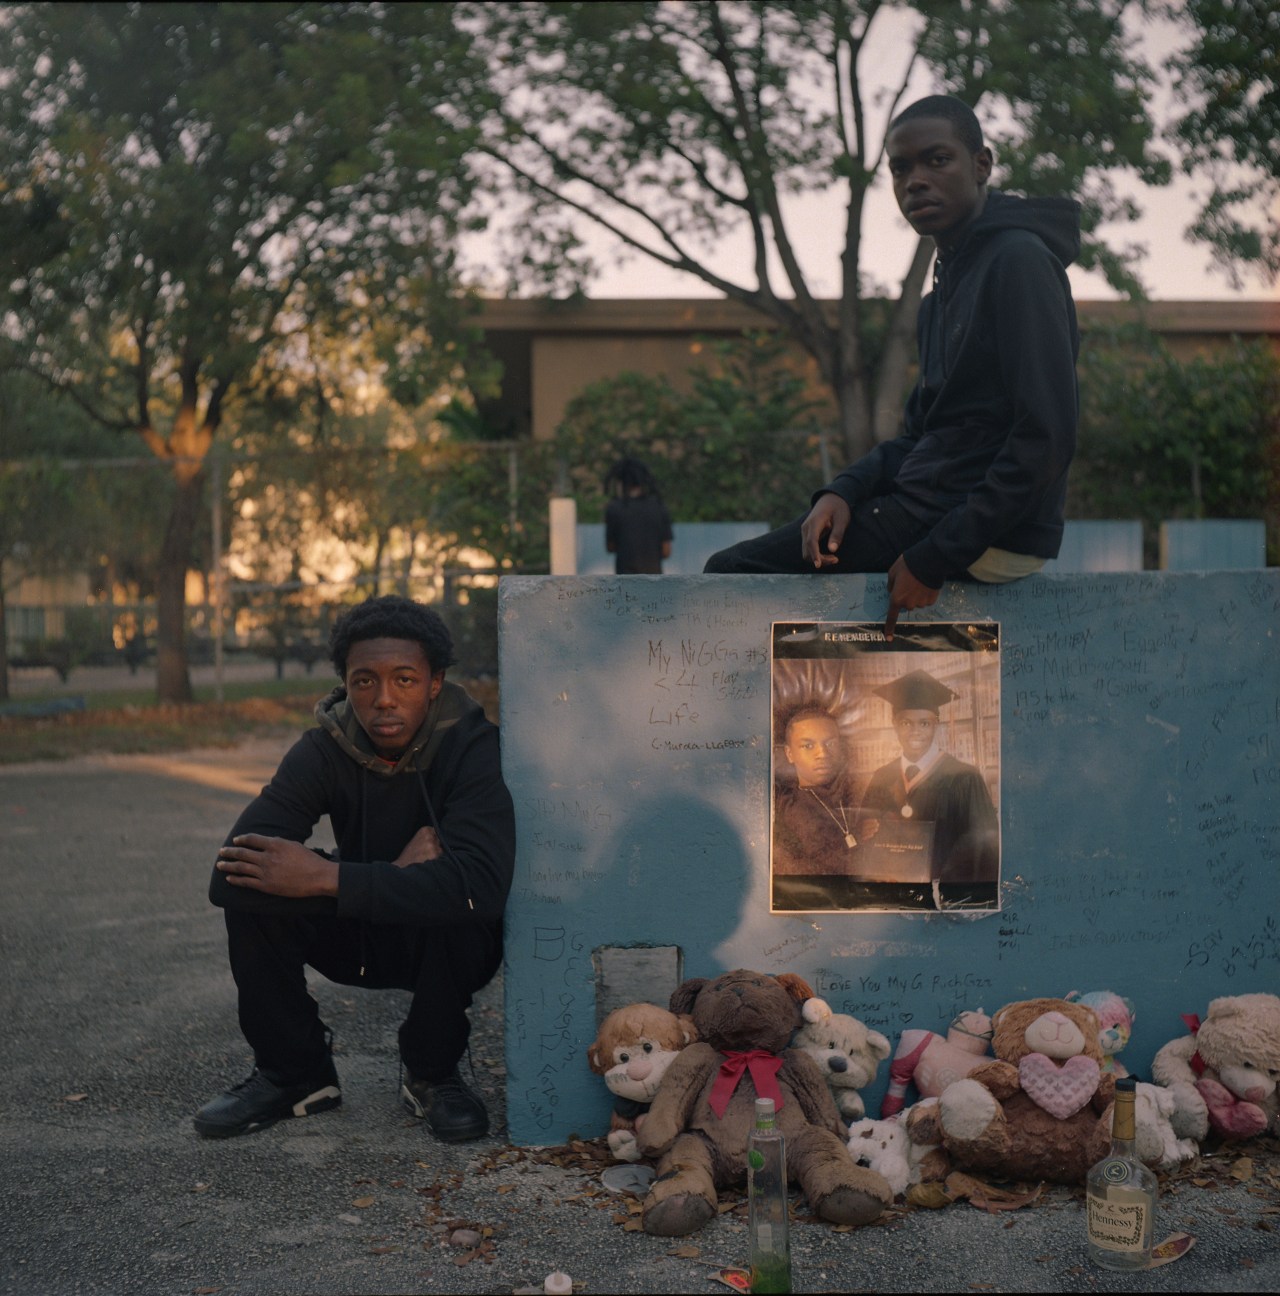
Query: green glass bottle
pixel 767 1203
pixel 1121 1194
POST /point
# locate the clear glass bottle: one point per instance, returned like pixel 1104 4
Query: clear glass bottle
pixel 1121 1195
pixel 767 1203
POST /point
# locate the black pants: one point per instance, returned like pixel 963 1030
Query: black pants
pixel 443 967
pixel 878 532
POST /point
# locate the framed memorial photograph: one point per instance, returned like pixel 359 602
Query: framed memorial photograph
pixel 885 774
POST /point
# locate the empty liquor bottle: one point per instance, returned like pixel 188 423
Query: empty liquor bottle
pixel 1121 1195
pixel 767 1203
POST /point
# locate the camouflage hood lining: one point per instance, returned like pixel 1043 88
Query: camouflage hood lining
pixel 337 716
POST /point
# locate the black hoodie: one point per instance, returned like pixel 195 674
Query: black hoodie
pixel 450 778
pixel 990 427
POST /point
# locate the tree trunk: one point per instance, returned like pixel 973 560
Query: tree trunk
pixel 854 405
pixel 173 680
pixel 4 645
pixel 899 348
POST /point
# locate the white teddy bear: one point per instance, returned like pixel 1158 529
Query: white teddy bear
pixel 883 1146
pixel 847 1053
pixel 1156 1141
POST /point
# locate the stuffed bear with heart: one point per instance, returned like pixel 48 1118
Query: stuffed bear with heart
pixel 1041 1108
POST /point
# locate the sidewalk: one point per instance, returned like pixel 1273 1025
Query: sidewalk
pixel 120 1021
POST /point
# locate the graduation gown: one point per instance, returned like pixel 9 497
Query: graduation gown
pixel 953 797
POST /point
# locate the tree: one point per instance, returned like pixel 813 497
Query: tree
pixel 1167 438
pixel 203 200
pixel 43 476
pixel 741 445
pixel 669 126
pixel 1229 76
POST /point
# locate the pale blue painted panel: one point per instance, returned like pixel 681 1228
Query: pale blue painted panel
pixel 1098 546
pixel 1213 544
pixel 1140 761
pixel 693 544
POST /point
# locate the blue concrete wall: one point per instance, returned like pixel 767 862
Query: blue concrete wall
pixel 1140 772
pixel 1092 546
pixel 1213 544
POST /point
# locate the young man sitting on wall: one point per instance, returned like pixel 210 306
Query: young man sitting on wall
pixel 974 485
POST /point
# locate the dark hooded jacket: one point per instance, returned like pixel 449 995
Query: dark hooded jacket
pixel 449 778
pixel 990 427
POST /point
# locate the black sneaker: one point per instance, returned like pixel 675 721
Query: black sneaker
pixel 259 1101
pixel 452 1111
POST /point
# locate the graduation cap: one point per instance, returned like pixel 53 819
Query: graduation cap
pixel 915 691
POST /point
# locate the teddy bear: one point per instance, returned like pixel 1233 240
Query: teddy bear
pixel 632 1051
pixel 927 1158
pixel 847 1053
pixel 926 1060
pixel 888 1148
pixel 1115 1016
pixel 1035 1111
pixel 1156 1140
pixel 704 1111
pixel 1224 1074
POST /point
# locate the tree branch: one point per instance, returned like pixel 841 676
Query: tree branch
pixel 759 173
pixel 74 395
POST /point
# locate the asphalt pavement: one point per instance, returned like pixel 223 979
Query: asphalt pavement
pixel 119 1021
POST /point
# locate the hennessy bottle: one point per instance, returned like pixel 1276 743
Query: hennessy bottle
pixel 1121 1195
pixel 767 1203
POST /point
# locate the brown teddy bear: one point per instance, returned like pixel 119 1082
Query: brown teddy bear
pixel 635 1046
pixel 1041 1109
pixel 704 1111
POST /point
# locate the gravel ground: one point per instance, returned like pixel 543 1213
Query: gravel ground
pixel 120 1021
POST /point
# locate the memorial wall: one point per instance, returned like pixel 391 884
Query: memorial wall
pixel 1132 756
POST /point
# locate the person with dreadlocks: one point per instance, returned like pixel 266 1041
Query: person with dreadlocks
pixel 637 527
pixel 406 767
pixel 974 486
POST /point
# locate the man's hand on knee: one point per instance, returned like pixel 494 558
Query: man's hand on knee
pixel 277 866
pixel 828 519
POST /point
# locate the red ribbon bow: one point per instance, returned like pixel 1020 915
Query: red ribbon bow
pixel 1196 1062
pixel 764 1068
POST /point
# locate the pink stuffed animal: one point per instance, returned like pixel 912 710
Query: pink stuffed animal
pixel 931 1063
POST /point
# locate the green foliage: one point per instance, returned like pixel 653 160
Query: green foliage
pixel 1229 83
pixel 493 499
pixel 1075 103
pixel 1162 438
pixel 740 445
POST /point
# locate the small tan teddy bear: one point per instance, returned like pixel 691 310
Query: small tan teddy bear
pixel 847 1053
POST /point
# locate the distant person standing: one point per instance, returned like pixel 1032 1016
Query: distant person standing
pixel 637 527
